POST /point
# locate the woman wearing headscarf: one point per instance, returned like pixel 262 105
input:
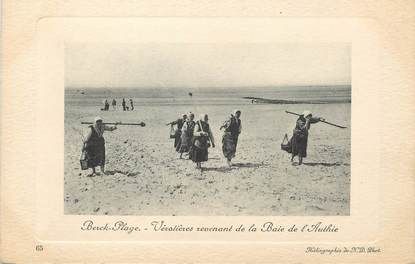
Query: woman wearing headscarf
pixel 187 134
pixel 94 144
pixel 231 133
pixel 177 138
pixel 299 139
pixel 201 141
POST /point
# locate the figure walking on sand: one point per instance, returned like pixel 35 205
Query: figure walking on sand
pixel 187 134
pixel 201 141
pixel 106 105
pixel 114 104
pixel 231 133
pixel 131 104
pixel 299 139
pixel 94 145
pixel 123 104
pixel 177 137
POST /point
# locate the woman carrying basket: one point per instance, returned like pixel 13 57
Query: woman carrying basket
pixel 201 141
pixel 299 139
pixel 94 145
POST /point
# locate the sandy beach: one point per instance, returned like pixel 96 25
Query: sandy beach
pixel 146 177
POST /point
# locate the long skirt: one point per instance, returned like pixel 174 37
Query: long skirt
pixel 229 144
pixel 185 143
pixel 177 141
pixel 95 155
pixel 299 145
pixel 198 154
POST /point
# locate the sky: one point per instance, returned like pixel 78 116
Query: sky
pixel 120 65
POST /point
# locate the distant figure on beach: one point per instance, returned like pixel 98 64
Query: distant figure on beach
pixel 94 145
pixel 106 105
pixel 123 104
pixel 299 139
pixel 231 133
pixel 114 104
pixel 201 141
pixel 178 131
pixel 131 104
pixel 187 134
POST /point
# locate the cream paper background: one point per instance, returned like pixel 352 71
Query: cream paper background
pixel 382 165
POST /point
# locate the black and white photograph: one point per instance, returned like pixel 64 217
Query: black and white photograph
pixel 207 132
pixel 215 129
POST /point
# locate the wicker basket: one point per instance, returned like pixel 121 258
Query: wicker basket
pixel 286 144
pixel 84 161
pixel 173 132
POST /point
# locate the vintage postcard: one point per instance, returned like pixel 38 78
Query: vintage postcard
pixel 246 97
pixel 223 136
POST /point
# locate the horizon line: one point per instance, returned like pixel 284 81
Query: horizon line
pixel 201 87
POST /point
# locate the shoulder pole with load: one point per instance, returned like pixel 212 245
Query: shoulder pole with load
pixel 288 112
pixel 142 124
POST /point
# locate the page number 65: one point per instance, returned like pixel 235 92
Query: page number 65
pixel 39 248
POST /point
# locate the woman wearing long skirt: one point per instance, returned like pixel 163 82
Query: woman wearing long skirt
pixel 177 138
pixel 94 145
pixel 202 139
pixel 299 139
pixel 187 134
pixel 232 128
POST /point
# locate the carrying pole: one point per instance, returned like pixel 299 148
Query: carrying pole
pixel 288 112
pixel 118 123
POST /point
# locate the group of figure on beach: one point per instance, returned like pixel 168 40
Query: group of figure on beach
pixel 194 138
pixel 125 107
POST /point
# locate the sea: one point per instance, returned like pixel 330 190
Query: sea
pixel 206 96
